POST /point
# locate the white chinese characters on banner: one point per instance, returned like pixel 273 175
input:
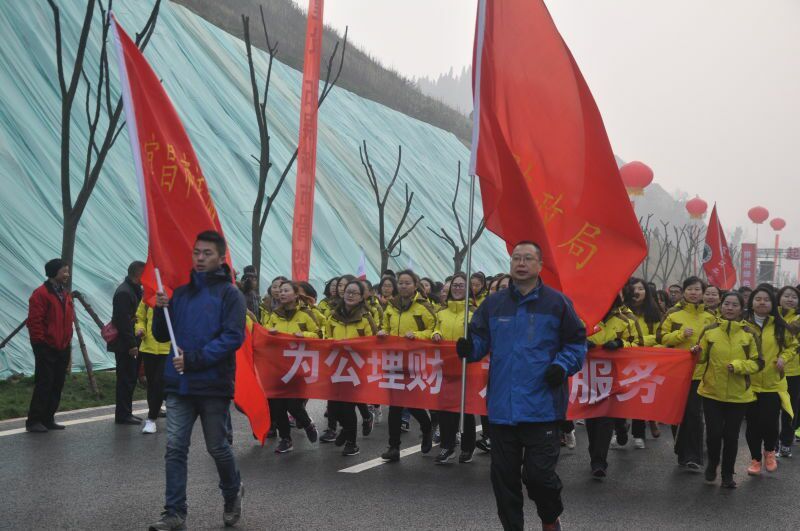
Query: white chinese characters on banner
pixel 305 360
pixel 595 381
pixel 388 368
pixel 347 359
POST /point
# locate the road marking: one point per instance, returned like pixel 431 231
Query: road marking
pixel 372 463
pixel 71 412
pixel 72 422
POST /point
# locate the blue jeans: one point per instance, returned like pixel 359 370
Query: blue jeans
pixel 214 413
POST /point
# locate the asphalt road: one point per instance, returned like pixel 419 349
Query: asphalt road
pixel 97 475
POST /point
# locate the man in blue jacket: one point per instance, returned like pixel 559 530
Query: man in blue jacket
pixel 536 340
pixel 208 318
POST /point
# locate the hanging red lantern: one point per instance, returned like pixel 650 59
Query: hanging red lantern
pixel 696 207
pixel 777 224
pixel 636 176
pixel 758 215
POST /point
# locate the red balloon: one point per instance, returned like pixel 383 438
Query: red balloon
pixel 696 207
pixel 777 223
pixel 636 176
pixel 758 215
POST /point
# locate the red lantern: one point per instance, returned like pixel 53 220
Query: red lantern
pixel 696 207
pixel 636 176
pixel 758 215
pixel 777 224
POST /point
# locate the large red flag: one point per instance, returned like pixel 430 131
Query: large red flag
pixel 546 168
pixel 717 260
pixel 176 201
pixel 307 147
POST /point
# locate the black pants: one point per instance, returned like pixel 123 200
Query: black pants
pixel 154 372
pixel 723 422
pixel 395 419
pixel 639 429
pixel 48 377
pixel 762 423
pixel 689 438
pixel 599 431
pixel 788 425
pixel 127 374
pixel 345 414
pixel 528 451
pixel 448 428
pixel 485 427
pixel 279 407
pixel 363 409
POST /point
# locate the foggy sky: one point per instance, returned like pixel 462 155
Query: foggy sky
pixel 705 92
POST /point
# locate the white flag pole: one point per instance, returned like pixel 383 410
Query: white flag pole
pixel 166 314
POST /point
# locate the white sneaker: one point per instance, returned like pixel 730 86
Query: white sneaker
pixel 149 426
pixel 569 438
pixel 614 444
pixel 638 444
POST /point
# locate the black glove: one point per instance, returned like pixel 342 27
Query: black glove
pixel 554 375
pixel 613 345
pixel 464 347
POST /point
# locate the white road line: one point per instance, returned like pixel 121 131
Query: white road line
pixel 72 422
pixel 355 469
pixel 71 412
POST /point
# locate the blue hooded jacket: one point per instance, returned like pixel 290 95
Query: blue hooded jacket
pixel 525 335
pixel 208 317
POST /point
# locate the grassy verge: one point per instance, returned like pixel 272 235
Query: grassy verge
pixel 15 393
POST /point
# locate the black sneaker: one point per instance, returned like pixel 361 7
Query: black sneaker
pixel 694 467
pixel 404 425
pixel 392 454
pixel 466 456
pixel 54 426
pixel 728 482
pixel 350 449
pixel 284 446
pixel 292 421
pixel 484 444
pixel 311 433
pixel 36 427
pixel 340 439
pixel 427 442
pixel 368 424
pixel 711 473
pixel 169 522
pixel 233 509
pixel 328 436
pixel 444 456
pixel 272 433
pixel 599 473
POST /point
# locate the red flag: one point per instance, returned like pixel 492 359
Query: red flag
pixel 176 202
pixel 546 168
pixel 717 261
pixel 307 148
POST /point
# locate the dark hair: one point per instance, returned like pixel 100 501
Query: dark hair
pixel 348 278
pixel 691 281
pixel 780 324
pixel 676 285
pixel 615 304
pixel 327 290
pixel 392 281
pixel 308 289
pixel 409 273
pixel 733 293
pixel 713 286
pixel 135 268
pixel 294 286
pixel 430 283
pixel 450 287
pixel 528 242
pixel 742 289
pixel 356 282
pixel 649 308
pixel 216 238
pixel 279 277
pixel 663 297
pixel 389 273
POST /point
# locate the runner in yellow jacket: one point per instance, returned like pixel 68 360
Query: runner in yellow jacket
pixel 154 356
pixel 788 298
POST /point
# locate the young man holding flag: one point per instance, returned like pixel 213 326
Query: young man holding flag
pixel 208 318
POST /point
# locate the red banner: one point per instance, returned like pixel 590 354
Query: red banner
pixel 643 383
pixel 176 201
pixel 540 148
pixel 749 265
pixel 717 261
pixel 307 148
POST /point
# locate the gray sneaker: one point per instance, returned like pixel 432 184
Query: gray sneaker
pixel 233 509
pixel 169 522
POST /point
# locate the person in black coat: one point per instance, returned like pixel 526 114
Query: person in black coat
pixel 126 345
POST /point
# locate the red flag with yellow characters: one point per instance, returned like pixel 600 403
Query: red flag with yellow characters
pixel 546 168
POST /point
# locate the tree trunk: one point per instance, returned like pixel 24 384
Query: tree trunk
pixel 384 261
pixel 458 260
pixel 68 244
pixel 87 363
pixel 255 238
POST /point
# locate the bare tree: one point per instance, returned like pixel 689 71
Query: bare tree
pixel 387 248
pixel 263 202
pixel 647 231
pixel 460 247
pixel 102 134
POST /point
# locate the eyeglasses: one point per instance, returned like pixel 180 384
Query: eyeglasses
pixel 458 286
pixel 353 293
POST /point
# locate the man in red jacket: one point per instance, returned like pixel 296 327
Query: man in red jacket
pixel 50 315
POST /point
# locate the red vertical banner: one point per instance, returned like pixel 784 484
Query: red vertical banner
pixel 717 261
pixel 749 265
pixel 307 147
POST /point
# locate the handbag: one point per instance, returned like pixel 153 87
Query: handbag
pixel 109 332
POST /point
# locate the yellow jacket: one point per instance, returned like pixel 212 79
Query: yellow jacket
pixel 450 320
pixel 771 380
pixel 723 343
pixel 358 323
pixel 618 325
pixel 326 306
pixel 418 317
pixel 375 309
pixel 645 332
pixel 793 320
pixel 144 323
pixel 681 316
pixel 292 321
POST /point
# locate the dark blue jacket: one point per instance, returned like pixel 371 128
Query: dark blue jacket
pixel 524 336
pixel 208 316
